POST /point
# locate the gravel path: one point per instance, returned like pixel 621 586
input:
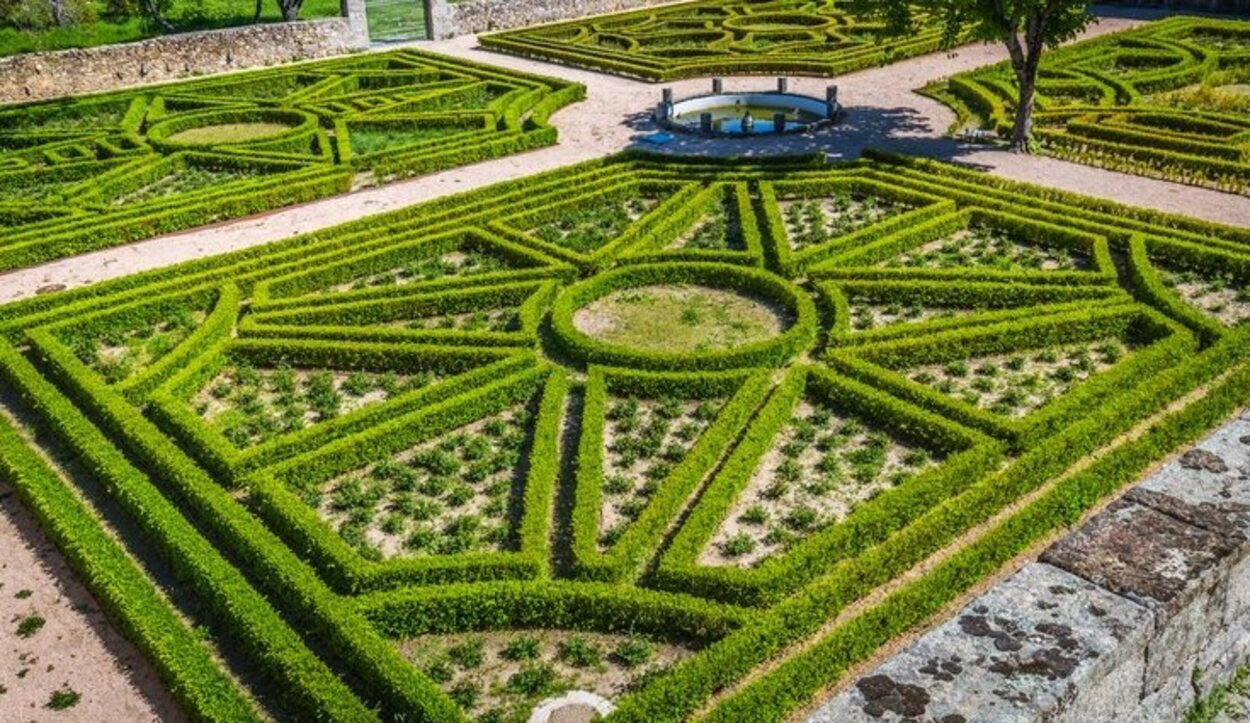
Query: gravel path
pixel 883 112
pixel 75 649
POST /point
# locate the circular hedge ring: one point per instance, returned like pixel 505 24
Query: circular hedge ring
pixel 229 128
pixel 758 283
pixel 771 22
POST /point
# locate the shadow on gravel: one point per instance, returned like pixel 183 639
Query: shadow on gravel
pixel 904 130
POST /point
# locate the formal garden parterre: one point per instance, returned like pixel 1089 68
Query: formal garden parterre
pixel 94 172
pixel 1168 100
pixel 424 466
pixel 824 37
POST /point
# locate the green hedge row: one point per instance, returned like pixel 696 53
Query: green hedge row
pixel 170 405
pixel 364 320
pixel 693 682
pixel 794 682
pixel 130 599
pixel 276 499
pixel 1112 107
pixel 294 303
pixel 622 560
pixel 709 37
pixel 1165 342
pixel 241 611
pixel 552 604
pixel 121 168
pixel 995 302
pixel 967 456
pixel 373 669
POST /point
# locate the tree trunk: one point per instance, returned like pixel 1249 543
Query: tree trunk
pixel 1022 132
pixel 153 10
pixel 290 9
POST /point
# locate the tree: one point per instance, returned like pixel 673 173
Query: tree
pixel 1026 27
pixel 289 9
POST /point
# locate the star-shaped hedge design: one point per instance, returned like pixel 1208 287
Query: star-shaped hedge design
pixel 710 37
pixel 404 476
pixel 99 171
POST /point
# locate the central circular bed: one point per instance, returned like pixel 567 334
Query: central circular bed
pixel 684 316
pixel 694 318
pixel 231 127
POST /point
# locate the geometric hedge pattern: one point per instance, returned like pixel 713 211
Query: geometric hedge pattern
pixel 392 436
pixel 711 37
pixel 94 172
pixel 1166 100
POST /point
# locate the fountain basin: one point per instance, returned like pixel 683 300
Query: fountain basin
pixel 727 110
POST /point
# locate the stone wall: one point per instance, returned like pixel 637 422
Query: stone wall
pixel 1130 618
pixel 40 76
pixel 481 16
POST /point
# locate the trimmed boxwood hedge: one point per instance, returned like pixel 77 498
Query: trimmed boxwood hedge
pixel 1122 102
pixel 99 171
pixel 711 37
pixel 316 620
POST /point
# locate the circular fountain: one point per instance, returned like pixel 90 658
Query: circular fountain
pixel 747 113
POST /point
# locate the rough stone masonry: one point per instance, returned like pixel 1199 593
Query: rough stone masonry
pixel 40 76
pixel 1130 618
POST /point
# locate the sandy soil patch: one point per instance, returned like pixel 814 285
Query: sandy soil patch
pixel 820 467
pixel 678 318
pixel 512 671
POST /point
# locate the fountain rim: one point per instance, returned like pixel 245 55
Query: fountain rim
pixel 783 100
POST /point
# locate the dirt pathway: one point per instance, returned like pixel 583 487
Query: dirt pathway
pixel 74 650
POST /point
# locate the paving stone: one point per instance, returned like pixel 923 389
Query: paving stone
pixel 1137 551
pixel 1178 570
pixel 1209 485
pixel 1036 645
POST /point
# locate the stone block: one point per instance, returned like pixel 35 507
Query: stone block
pixel 1039 644
pixel 1209 485
pixel 1177 570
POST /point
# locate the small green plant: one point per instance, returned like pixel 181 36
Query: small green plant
pixel 533 679
pixel 468 654
pixel 523 648
pixel 63 699
pixel 580 653
pixel 29 625
pixel 633 652
pixel 738 545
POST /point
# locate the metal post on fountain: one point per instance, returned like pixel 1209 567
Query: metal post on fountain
pixel 665 110
pixel 705 123
pixel 783 85
pixel 748 123
pixel 779 123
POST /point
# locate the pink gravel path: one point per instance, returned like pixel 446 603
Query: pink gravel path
pixel 76 649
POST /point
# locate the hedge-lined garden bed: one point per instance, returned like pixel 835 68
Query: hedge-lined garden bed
pixel 710 37
pixel 98 171
pixel 1167 100
pixel 409 478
